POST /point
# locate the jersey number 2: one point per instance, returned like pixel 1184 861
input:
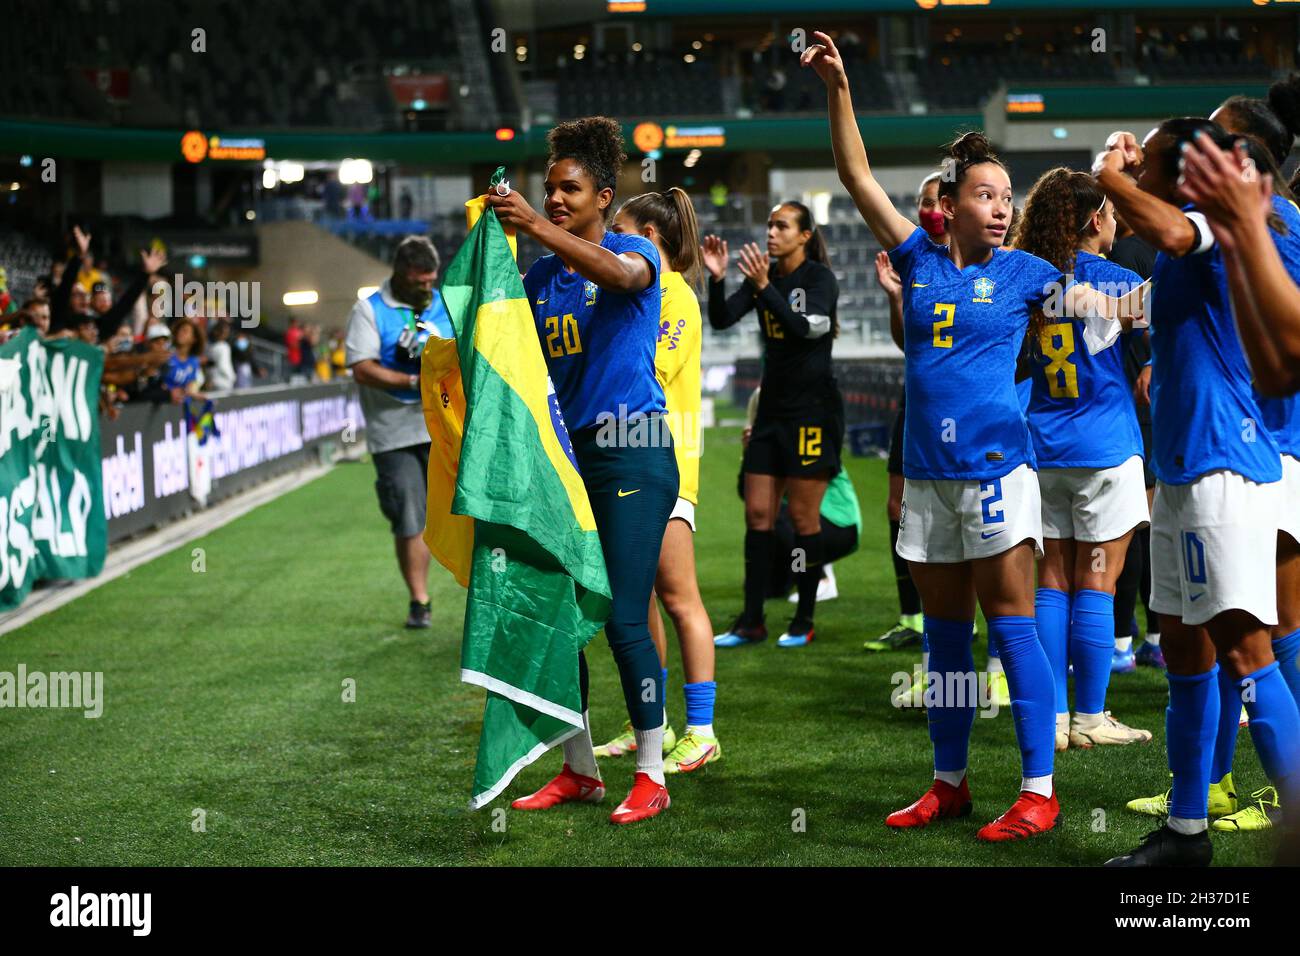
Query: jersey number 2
pixel 942 341
pixel 562 340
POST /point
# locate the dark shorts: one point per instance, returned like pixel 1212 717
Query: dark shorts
pixel 804 447
pixel 403 487
pixel 895 465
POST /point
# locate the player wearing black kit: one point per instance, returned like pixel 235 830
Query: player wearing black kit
pixel 795 446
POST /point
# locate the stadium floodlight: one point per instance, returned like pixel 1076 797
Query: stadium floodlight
pixel 366 291
pixel 353 171
pixel 304 297
pixel 292 172
pixel 270 179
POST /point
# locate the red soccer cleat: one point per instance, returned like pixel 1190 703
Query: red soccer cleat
pixel 1030 815
pixel 645 801
pixel 567 787
pixel 941 801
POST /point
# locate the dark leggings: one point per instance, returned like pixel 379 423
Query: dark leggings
pixel 1133 581
pixel 632 492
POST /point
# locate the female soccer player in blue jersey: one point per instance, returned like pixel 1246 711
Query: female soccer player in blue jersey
pixel 971 522
pixel 1272 124
pixel 1215 521
pixel 794 450
pixel 596 300
pixel 1089 452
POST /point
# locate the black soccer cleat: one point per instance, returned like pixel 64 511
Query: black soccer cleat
pixel 1164 847
pixel 420 616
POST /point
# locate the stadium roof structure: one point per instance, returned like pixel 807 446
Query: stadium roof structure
pixel 689 8
pixel 775 133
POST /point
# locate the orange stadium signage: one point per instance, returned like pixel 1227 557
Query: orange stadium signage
pixel 196 147
pixel 648 136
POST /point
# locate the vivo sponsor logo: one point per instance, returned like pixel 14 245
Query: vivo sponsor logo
pixel 124 478
pixel 250 436
pixel 57 402
pixel 75 908
pixel 77 690
pixel 171 473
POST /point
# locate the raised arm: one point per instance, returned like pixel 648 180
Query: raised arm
pixel 888 278
pixel 1163 225
pixel 1265 299
pixel 724 310
pixel 887 224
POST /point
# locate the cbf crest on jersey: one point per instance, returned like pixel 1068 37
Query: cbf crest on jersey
pixel 983 289
pixel 589 290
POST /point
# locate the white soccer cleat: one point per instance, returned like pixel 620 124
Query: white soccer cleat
pixel 1107 732
pixel 826 588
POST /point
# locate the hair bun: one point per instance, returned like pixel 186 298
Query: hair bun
pixel 972 147
pixel 1284 100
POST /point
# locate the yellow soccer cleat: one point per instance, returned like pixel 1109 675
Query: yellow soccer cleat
pixel 1264 814
pixel 999 692
pixel 625 743
pixel 1222 802
pixel 692 752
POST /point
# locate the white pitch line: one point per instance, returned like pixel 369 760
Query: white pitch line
pixel 131 554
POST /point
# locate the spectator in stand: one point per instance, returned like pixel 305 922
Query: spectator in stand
pixel 183 374
pixel 293 345
pixel 7 304
pixel 338 354
pixel 36 312
pixel 71 299
pixel 307 363
pixel 86 328
pixel 221 369
pixel 101 298
pixel 332 194
pixel 247 367
pixel 406 204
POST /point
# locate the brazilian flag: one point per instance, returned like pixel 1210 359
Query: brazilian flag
pixel 508 511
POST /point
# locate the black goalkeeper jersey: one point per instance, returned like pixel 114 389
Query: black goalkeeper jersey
pixel 796 317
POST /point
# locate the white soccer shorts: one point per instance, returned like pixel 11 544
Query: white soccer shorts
pixel 1094 504
pixel 1289 514
pixel 1214 548
pixel 947 521
pixel 684 510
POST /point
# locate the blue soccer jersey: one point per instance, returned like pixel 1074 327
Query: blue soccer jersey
pixel 1081 414
pixel 1204 416
pixel 599 345
pixel 1282 415
pixel 962 332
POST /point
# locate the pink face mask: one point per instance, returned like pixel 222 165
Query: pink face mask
pixel 933 223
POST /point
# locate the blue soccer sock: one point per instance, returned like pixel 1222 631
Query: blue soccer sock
pixel 1092 645
pixel 1286 650
pixel 1275 729
pixel 1033 694
pixel 1225 738
pixel 1190 723
pixel 700 698
pixel 1052 618
pixel 950 719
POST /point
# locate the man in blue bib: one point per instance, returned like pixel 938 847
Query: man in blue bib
pixel 385 336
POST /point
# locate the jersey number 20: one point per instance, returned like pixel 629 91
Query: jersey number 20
pixel 562 341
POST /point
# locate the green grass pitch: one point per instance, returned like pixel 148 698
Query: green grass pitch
pixel 223 693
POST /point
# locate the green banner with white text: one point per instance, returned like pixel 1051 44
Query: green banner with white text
pixel 52 522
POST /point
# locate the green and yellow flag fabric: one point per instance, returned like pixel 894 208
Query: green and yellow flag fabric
pixel 508 514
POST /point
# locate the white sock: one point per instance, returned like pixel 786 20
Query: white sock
pixel 1123 644
pixel 1063 722
pixel 1187 827
pixel 1039 785
pixel 1154 639
pixel 578 752
pixel 1087 721
pixel 650 753
pixel 995 665
pixel 704 730
pixel 952 778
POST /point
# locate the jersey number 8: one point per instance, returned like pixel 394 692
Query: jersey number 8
pixel 1058 345
pixel 570 344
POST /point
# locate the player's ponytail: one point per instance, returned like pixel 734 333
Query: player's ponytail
pixel 673 216
pixel 1056 215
